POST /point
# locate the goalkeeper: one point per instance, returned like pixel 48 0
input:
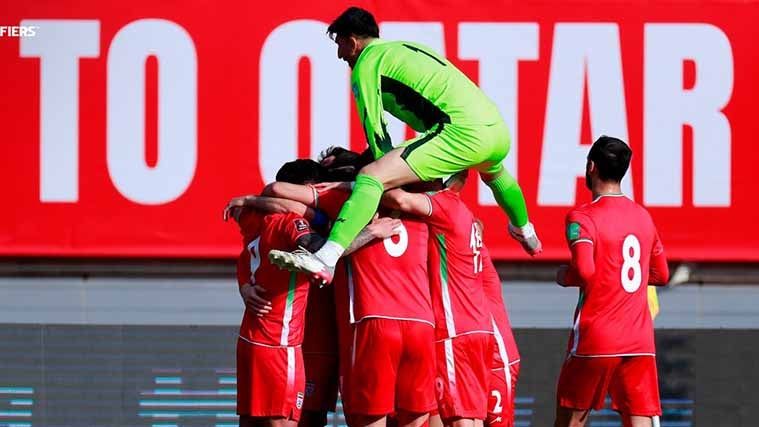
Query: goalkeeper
pixel 461 129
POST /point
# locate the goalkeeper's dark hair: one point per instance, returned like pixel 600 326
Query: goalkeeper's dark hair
pixel 302 171
pixel 612 158
pixel 354 21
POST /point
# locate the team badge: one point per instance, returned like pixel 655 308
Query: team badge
pixel 299 400
pixel 573 231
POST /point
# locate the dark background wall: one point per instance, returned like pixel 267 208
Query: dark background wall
pixel 78 375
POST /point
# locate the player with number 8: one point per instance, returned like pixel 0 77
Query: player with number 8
pixel 616 254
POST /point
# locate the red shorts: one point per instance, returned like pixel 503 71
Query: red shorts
pixel 503 386
pixel 321 382
pixel 392 367
pixel 463 372
pixel 631 381
pixel 270 381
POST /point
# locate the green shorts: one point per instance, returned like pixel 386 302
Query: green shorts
pixel 447 149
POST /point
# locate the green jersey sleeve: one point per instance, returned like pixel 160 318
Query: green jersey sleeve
pixel 365 84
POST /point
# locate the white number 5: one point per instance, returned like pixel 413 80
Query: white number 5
pixel 631 257
pixel 397 249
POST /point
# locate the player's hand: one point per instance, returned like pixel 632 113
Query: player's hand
pixel 384 227
pixel 251 296
pixel 339 186
pixel 234 207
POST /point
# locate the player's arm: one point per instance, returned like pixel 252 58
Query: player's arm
pixel 304 194
pixel 658 271
pixel 379 228
pixel 418 204
pixel 271 205
pixel 580 232
pixel 365 83
pixel 581 267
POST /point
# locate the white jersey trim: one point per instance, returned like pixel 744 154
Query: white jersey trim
pixel 510 363
pixel 408 319
pixel 465 333
pixel 581 241
pixel 450 366
pixel 612 355
pixel 267 345
pixel 607 195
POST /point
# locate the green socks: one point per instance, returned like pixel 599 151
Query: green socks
pixel 358 210
pixel 509 197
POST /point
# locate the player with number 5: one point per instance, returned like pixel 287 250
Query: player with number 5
pixel 616 254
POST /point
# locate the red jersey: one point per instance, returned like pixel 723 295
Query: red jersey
pixel 455 264
pixel 388 278
pixel 288 292
pixel 612 316
pixel 507 352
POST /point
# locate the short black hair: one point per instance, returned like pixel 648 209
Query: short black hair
pixel 354 22
pixel 301 171
pixel 611 156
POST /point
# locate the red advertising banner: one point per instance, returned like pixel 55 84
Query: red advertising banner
pixel 126 126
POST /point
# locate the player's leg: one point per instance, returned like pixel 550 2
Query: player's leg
pixel 373 372
pixel 412 419
pixel 583 385
pixel 568 417
pixel 634 391
pixel 463 368
pixel 415 396
pixel 278 422
pixel 247 421
pixel 435 420
pixel 389 171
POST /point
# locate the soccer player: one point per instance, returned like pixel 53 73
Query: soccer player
pixel 616 254
pixel 504 372
pixel 461 128
pixel 392 367
pixel 319 346
pixel 463 326
pixel 270 371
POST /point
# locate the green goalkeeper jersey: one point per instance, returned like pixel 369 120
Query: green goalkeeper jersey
pixel 417 86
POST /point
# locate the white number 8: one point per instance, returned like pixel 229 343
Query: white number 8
pixel 631 262
pixel 397 249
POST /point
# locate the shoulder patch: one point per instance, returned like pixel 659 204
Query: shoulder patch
pixel 573 231
pixel 354 89
pixel 300 224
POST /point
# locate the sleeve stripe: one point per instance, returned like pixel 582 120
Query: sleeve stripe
pixel 580 240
